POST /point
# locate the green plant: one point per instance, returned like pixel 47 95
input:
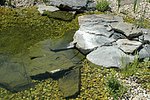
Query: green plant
pixel 2 2
pixel 115 88
pixel 118 4
pixel 102 5
pixel 135 5
pixel 130 69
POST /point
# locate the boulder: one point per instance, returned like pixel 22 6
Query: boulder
pixel 69 4
pixel 109 56
pixel 42 8
pixel 128 46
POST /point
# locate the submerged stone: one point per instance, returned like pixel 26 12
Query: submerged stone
pixel 109 56
pixel 53 57
pixel 13 74
pixel 62 15
pixel 70 83
pixel 44 59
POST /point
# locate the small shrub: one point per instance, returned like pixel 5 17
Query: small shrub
pixel 115 89
pixel 130 69
pixel 102 5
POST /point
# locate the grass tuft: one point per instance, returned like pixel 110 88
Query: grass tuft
pixel 102 5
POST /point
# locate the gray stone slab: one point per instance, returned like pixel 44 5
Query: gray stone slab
pixel 128 29
pixel 72 4
pixel 109 56
pixel 87 41
pixel 128 46
pixel 145 51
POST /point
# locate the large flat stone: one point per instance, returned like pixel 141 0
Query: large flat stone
pixel 128 46
pixel 109 57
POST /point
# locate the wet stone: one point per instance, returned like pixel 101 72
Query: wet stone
pixel 70 83
pixel 13 75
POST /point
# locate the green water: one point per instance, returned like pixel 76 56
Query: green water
pixel 21 28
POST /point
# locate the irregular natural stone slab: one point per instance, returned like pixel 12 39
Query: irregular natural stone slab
pixel 63 43
pixel 96 29
pixel 70 83
pixel 69 4
pixel 128 29
pixel 128 46
pixel 109 56
pixel 98 19
pixel 98 24
pixel 44 60
pixel 54 57
pixel 87 42
pixel 42 8
pixel 13 74
pixel 145 51
pixel 117 36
